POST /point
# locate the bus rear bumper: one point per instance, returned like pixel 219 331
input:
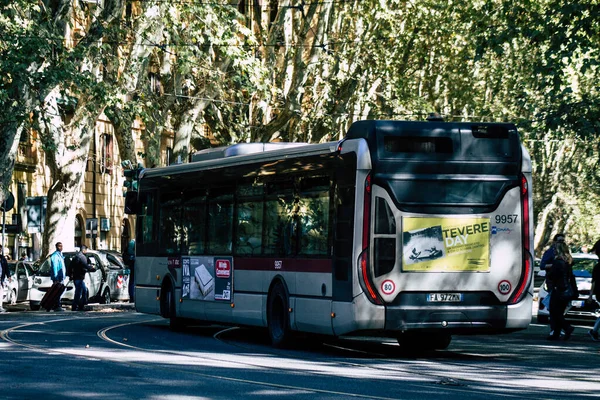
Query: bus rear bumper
pixel 457 320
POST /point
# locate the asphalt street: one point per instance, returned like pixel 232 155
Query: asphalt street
pixel 112 351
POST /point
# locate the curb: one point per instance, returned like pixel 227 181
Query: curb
pixel 24 307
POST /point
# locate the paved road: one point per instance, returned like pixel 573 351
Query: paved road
pixel 118 353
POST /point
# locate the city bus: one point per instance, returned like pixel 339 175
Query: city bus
pixel 413 230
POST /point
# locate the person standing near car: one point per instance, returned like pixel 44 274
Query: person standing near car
pixel 595 291
pixel 57 270
pixel 561 277
pixel 3 276
pixel 79 267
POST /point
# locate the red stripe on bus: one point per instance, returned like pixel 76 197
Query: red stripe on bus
pixel 283 264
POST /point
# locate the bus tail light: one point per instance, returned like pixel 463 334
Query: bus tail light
pixel 363 260
pixel 527 272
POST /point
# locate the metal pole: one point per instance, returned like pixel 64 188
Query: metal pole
pixel 3 227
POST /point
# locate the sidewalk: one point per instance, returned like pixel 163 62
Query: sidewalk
pixel 117 306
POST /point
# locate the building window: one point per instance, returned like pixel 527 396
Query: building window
pixel 106 166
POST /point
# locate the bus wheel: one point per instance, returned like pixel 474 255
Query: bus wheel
pixel 169 310
pixel 278 316
pixel 415 342
pixel 441 341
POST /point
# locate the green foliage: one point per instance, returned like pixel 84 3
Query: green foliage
pixel 305 73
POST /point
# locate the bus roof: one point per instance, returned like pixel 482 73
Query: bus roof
pixel 244 155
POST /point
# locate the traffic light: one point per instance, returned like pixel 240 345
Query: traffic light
pixel 131 175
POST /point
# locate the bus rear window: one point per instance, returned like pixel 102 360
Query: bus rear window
pixel 414 144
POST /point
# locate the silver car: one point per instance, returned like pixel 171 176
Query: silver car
pixel 117 276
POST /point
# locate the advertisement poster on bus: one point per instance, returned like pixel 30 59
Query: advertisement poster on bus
pixel 207 278
pixel 446 244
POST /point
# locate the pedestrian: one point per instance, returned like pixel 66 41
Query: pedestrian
pixel 562 279
pixel 129 258
pixel 549 254
pixel 79 267
pixel 57 270
pixel 595 291
pixel 546 265
pixel 3 276
pixel 23 256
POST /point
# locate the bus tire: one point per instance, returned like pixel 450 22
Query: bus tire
pixel 416 342
pixel 278 317
pixel 169 310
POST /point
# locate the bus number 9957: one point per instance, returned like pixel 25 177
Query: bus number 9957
pixel 506 219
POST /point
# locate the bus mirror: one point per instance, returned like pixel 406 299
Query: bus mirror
pixel 131 202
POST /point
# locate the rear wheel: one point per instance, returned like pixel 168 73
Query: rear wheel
pixel 33 306
pixel 105 299
pixel 278 316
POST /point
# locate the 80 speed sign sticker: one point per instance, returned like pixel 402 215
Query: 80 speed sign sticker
pixel 388 287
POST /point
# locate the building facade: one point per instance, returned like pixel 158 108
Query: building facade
pixel 100 222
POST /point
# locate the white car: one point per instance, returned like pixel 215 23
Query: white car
pixel 20 280
pixel 583 264
pixel 95 281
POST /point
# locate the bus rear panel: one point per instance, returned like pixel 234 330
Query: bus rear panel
pixel 447 228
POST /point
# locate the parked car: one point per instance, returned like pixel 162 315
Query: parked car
pixel 95 281
pixel 583 264
pixel 21 279
pixel 538 279
pixel 117 275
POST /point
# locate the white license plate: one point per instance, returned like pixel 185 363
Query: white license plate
pixel 445 297
pixel 577 303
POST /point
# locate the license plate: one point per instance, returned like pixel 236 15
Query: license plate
pixel 445 297
pixel 577 303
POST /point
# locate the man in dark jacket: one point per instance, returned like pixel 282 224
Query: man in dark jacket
pixel 79 267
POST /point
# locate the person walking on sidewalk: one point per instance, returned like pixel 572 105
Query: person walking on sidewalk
pixel 79 267
pixel 57 270
pixel 595 291
pixel 3 275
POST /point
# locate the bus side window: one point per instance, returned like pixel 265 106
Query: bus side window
pixel 249 222
pixel 145 220
pixel 313 214
pixel 170 223
pixel 280 220
pixel 194 224
pixel 220 223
